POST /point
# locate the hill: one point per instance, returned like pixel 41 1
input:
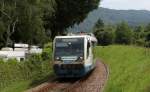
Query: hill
pixel 128 66
pixel 133 17
pixel 111 16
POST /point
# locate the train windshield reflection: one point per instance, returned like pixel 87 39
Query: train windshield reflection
pixel 69 47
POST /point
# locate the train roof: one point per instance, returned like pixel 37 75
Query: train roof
pixel 91 37
pixel 75 36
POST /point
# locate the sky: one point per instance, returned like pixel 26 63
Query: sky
pixel 126 4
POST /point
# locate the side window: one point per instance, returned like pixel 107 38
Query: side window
pixel 88 47
pixel 93 49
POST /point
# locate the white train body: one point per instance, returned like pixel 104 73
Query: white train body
pixel 73 55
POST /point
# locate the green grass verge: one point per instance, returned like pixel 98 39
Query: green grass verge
pixel 129 68
pixel 17 87
pixel 21 86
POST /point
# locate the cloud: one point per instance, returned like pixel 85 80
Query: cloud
pixel 126 4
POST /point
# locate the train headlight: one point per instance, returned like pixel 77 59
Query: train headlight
pixel 80 59
pixel 58 59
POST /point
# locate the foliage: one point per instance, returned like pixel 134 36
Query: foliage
pixel 31 22
pixel 128 68
pixel 47 51
pixel 139 32
pixel 22 19
pixel 69 12
pixel 140 42
pixel 138 35
pixel 123 34
pixel 111 16
pixel 99 24
pixel 2 31
pixel 147 30
pixel 18 86
pixel 104 34
pixel 42 18
pixel 34 68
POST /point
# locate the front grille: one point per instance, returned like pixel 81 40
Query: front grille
pixel 68 66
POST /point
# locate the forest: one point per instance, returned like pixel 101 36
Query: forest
pixel 122 33
pixel 20 19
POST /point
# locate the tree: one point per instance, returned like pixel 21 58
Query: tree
pixel 139 35
pixel 69 12
pixel 24 18
pixel 2 31
pixel 99 24
pixel 42 18
pixel 147 37
pixel 123 34
pixel 104 34
pixel 105 37
pixel 29 22
pixel 48 9
pixel 9 18
pixel 139 30
pixel 147 28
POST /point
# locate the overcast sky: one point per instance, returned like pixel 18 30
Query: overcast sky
pixel 126 4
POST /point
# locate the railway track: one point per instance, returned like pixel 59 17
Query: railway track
pixel 93 82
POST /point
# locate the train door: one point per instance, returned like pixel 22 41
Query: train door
pixel 89 53
pixel 93 51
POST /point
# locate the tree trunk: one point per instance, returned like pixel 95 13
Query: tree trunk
pixel 10 32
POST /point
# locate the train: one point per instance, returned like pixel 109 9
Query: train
pixel 73 55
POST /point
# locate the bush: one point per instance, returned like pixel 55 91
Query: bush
pixel 34 68
pixel 105 35
pixel 140 42
pixel 47 52
pixel 123 34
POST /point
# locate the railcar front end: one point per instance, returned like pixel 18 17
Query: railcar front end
pixel 72 56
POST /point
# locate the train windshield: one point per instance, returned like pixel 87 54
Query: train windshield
pixel 69 47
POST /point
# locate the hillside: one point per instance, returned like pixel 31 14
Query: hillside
pixel 133 17
pixel 111 16
pixel 128 67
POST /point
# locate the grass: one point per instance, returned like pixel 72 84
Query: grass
pixel 129 68
pixel 17 87
pixel 21 86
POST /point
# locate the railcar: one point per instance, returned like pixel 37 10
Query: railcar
pixel 73 55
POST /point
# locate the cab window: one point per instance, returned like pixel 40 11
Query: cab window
pixel 88 47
